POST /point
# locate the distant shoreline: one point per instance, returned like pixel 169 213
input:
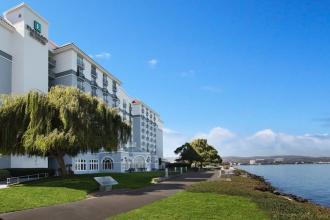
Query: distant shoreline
pixel 274 164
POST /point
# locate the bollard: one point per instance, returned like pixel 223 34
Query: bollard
pixel 175 169
pixel 219 173
pixel 181 170
pixel 166 172
pixel 186 169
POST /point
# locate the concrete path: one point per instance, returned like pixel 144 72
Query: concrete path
pixel 101 206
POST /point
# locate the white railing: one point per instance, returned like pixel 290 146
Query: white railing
pixel 21 179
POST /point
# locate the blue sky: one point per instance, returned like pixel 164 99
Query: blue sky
pixel 234 68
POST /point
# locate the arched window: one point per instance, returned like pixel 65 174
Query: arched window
pixel 107 164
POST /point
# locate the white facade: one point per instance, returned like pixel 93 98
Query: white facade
pixel 30 61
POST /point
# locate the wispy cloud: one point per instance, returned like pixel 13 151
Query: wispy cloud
pixel 187 74
pixel 211 89
pixel 102 55
pixel 153 62
pixel 324 121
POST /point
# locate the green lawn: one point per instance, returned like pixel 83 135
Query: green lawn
pixel 234 200
pixel 201 206
pixel 276 207
pixel 59 190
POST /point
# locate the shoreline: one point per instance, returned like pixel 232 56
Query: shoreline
pixel 268 187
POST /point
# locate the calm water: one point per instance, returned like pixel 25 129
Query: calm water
pixel 308 181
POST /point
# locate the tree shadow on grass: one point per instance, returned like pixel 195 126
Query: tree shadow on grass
pixel 174 183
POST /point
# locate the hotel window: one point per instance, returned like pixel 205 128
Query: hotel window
pixel 80 61
pixel 114 86
pixel 80 164
pixel 105 81
pixel 80 72
pixel 93 164
pixel 93 72
pixel 93 91
pixel 105 98
pixel 81 85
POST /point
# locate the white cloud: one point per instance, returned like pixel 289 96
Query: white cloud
pixel 217 135
pixel 187 74
pixel 102 55
pixel 261 143
pixel 211 89
pixel 268 142
pixel 153 62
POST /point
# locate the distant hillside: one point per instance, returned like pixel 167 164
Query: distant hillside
pixel 280 159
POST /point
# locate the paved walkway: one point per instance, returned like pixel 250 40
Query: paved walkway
pixel 103 205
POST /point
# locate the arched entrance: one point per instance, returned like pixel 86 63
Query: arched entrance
pixel 139 163
pixel 107 164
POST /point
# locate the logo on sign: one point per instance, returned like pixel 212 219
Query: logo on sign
pixel 37 26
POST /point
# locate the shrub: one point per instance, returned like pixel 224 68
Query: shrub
pixel 4 174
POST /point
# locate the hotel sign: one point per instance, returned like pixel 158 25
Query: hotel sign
pixel 35 32
pixel 37 26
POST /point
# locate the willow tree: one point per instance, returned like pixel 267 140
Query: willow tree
pixel 63 122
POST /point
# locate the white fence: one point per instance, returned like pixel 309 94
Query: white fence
pixel 21 179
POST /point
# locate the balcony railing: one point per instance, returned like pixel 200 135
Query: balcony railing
pixel 51 74
pixel 114 89
pixel 93 83
pixel 81 74
pixel 105 90
pixel 51 62
pixel 94 73
pixel 105 82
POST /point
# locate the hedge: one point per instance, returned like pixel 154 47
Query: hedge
pixel 4 174
pixel 29 171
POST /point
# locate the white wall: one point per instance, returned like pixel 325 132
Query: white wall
pixel 65 61
pixel 30 63
pixel 6 40
pixel 28 162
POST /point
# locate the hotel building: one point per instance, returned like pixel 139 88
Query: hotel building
pixel 29 60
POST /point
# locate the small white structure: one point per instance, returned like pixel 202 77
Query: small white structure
pixel 106 182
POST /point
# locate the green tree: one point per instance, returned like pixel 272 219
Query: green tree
pixel 207 152
pixel 187 154
pixel 65 121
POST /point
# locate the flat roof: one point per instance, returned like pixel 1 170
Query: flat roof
pixel 23 4
pixel 72 46
pixel 139 102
